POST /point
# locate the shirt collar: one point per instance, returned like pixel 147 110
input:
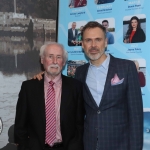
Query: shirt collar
pixel 57 79
pixel 104 64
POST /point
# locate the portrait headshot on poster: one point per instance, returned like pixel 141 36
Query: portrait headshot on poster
pixel 109 24
pixel 103 1
pixel 134 29
pixel 141 70
pixel 74 33
pixel 77 3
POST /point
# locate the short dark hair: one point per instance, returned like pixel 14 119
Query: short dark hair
pixel 93 24
pixel 105 21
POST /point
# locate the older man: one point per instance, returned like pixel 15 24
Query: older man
pixel 49 113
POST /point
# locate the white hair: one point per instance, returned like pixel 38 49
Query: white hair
pixel 43 48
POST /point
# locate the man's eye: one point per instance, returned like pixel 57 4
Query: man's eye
pixel 88 40
pixel 98 40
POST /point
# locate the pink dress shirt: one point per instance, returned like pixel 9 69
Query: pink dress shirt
pixel 57 88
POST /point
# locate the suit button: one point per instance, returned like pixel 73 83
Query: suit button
pixel 98 112
pixel 96 128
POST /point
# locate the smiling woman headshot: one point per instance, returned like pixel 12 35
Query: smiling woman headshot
pixel 135 33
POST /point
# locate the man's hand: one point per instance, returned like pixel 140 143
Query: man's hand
pixel 38 76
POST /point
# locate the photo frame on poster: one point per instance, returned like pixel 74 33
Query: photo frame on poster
pixel 141 69
pixel 98 2
pixel 109 24
pixel 77 3
pixel 146 130
pixel 74 37
pixel 134 29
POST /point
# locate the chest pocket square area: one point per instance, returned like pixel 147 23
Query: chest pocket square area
pixel 116 80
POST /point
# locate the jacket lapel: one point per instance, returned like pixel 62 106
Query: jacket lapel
pixel 86 91
pixel 42 100
pixel 64 99
pixel 110 75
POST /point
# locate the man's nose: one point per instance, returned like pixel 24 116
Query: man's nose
pixel 93 43
pixel 55 60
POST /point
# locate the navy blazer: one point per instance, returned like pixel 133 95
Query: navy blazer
pixel 117 123
pixel 30 123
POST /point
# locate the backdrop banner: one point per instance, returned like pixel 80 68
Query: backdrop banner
pixel 116 16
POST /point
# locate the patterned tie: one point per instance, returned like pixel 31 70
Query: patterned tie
pixel 50 115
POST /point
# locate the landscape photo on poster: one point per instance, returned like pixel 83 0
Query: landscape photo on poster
pixel 134 28
pixel 72 66
pixel 24 27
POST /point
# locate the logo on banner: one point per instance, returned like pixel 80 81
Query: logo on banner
pixel 1 126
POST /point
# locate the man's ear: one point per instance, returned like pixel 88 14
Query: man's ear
pixel 106 42
pixel 41 60
pixel 64 63
pixel 82 44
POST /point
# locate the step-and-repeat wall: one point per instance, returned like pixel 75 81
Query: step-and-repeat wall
pixel 118 17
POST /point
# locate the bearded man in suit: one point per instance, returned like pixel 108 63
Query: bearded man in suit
pixel 112 96
pixel 50 113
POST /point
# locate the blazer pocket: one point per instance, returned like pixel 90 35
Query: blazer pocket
pixel 117 84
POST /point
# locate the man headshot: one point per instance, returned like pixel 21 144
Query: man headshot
pixel 112 96
pixel 110 37
pixel 50 112
pixel 72 33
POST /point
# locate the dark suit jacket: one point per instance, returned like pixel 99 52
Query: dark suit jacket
pixel 71 37
pixel 9 146
pixel 139 36
pixel 30 121
pixel 117 124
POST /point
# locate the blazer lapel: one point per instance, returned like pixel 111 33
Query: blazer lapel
pixel 64 99
pixel 110 75
pixel 90 100
pixel 42 100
